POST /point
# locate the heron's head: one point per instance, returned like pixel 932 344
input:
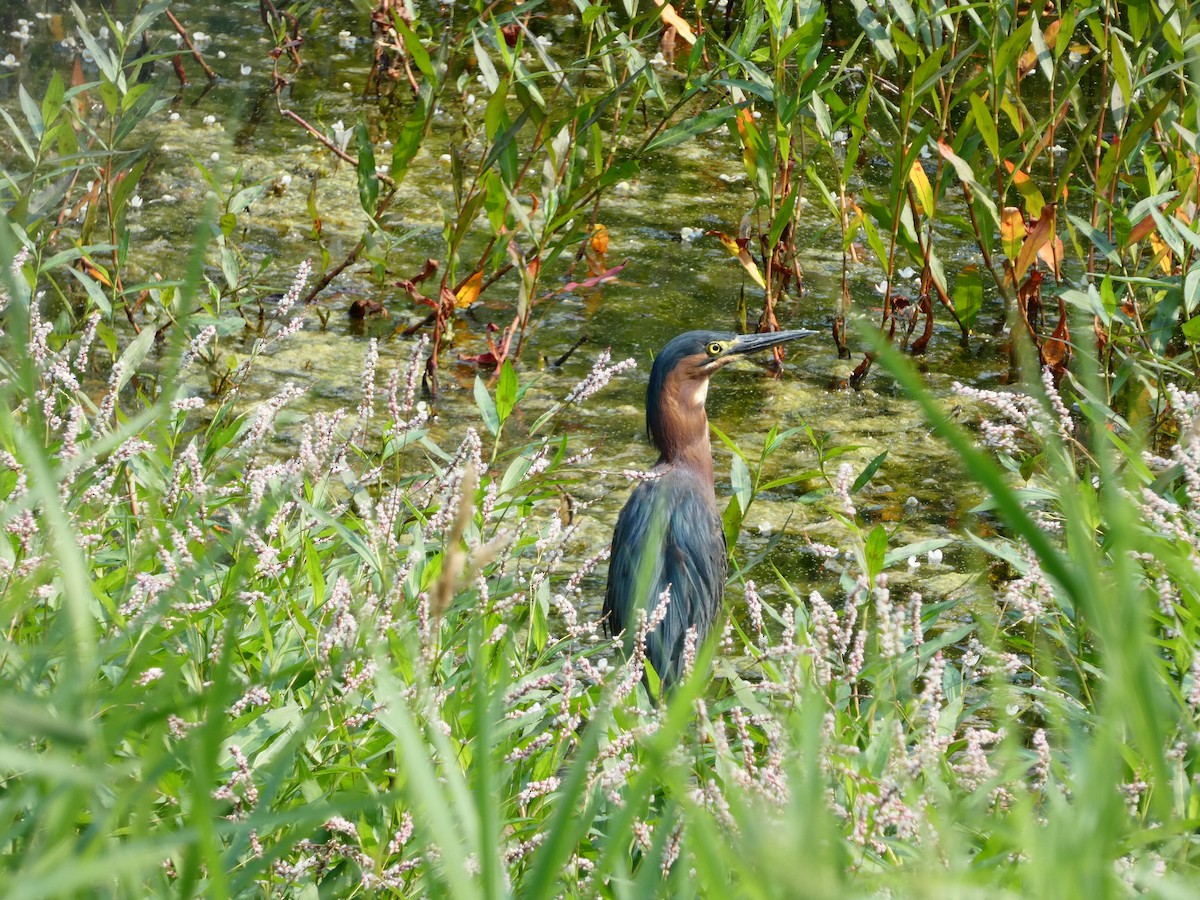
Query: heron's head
pixel 679 377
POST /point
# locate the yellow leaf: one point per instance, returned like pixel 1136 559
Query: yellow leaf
pixel 748 135
pixel 469 292
pixel 920 182
pixel 743 256
pixel 1162 253
pixel 672 18
pixel 1034 201
pixel 1012 232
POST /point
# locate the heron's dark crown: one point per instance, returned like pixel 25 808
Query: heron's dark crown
pixel 688 344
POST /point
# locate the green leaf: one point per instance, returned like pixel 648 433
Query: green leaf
pixel 731 522
pixel 368 180
pixel 1097 237
pixel 691 127
pixel 874 31
pixel 487 408
pixel 985 124
pixel 33 115
pixel 506 391
pixel 52 103
pixel 783 215
pixel 865 476
pixel 1191 289
pixel 1191 331
pixel 94 290
pixel 415 49
pixel 18 134
pixel 490 79
pixel 875 551
pixel 102 57
pixel 918 549
pixel 230 267
pixel 968 295
pixel 244 198
pixel 412 135
pixel 743 488
pixel 133 356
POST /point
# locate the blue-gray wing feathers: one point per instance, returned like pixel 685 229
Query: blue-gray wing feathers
pixel 668 533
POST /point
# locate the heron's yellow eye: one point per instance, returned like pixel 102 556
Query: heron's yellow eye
pixel 714 349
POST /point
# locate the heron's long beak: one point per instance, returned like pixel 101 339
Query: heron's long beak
pixel 752 343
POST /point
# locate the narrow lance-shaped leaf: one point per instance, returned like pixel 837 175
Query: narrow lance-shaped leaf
pixel 968 295
pixel 368 180
pixel 963 169
pixel 1034 201
pixel 1042 232
pixel 742 254
pixel 920 183
pixel 672 18
pixel 985 124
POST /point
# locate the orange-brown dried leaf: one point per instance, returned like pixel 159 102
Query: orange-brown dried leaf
pixel 1141 230
pixel 97 273
pixel 1051 253
pixel 599 239
pixel 673 19
pixel 1056 352
pixel 1042 232
pixel 469 292
pixel 1029 57
pixel 742 254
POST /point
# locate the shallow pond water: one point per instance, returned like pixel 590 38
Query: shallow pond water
pixel 669 285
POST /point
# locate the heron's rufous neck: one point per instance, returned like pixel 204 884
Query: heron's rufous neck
pixel 679 425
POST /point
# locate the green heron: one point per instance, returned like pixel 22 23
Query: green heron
pixel 669 534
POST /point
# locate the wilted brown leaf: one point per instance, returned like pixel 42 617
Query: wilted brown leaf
pixel 1056 352
pixel 1051 253
pixel 597 279
pixel 1042 232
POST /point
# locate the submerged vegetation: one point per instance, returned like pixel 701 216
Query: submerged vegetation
pixel 366 659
